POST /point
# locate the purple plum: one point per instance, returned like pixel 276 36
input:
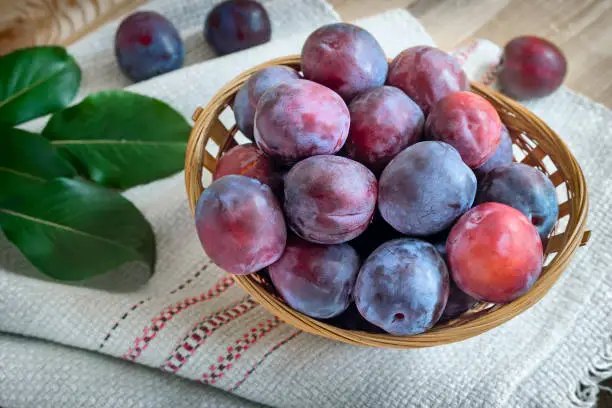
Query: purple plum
pixel 502 156
pixel 384 121
pixel 344 58
pixel 250 92
pixel 403 287
pixel 531 67
pixel 425 188
pixel 146 45
pixel 329 199
pixel 314 279
pixel 427 74
pixel 524 188
pixel 249 161
pixel 300 119
pixel 240 224
pixel 235 25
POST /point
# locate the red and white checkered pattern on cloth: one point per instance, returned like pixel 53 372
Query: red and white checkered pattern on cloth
pixel 192 321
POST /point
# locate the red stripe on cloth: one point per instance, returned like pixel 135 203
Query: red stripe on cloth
pixel 143 301
pixel 203 330
pixel 263 358
pixel 118 322
pixel 141 343
pixel 464 53
pixel 491 74
pixel 241 345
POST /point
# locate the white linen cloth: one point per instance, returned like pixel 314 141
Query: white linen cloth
pixel 191 321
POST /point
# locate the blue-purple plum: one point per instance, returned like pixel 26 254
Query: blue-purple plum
pixel 351 319
pixel 329 199
pixel 344 58
pixel 502 156
pixel 250 92
pixel 402 287
pixel 240 224
pixel 458 303
pixel 146 45
pixel 524 188
pixel 314 279
pixel 300 119
pixel 425 188
pixel 439 242
pixel 377 233
pixel 384 121
pixel 235 25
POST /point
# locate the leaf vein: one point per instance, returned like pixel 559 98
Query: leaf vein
pixel 31 86
pixel 22 174
pixel 66 228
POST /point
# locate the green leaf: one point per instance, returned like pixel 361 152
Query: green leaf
pixel 73 230
pixel 26 160
pixel 35 82
pixel 121 139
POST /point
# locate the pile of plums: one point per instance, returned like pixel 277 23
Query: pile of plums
pixel 377 196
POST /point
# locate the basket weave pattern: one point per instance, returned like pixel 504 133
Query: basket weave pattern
pixel 534 143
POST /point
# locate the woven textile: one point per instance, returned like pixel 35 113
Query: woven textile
pixel 189 321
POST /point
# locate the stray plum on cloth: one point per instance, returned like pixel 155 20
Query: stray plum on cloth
pixel 191 322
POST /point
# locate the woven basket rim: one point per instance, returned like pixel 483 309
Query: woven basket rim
pixel 574 235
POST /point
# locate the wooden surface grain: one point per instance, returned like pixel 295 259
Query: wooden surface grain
pixel 24 23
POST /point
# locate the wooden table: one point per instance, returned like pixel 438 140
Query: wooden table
pixel 582 28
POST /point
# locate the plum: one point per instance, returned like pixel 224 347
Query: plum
pixel 300 119
pixel 377 233
pixel 249 161
pixel 384 121
pixel 329 199
pixel 344 58
pixel 458 303
pixel 351 319
pixel 402 287
pixel 524 188
pixel 250 92
pixel 314 279
pixel 426 74
pixel 235 25
pixel 531 67
pixel 240 224
pixel 146 45
pixel 494 253
pixel 425 188
pixel 467 122
pixel 501 157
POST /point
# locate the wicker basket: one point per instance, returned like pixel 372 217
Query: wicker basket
pixel 534 144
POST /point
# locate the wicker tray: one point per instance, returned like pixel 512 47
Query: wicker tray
pixel 534 144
